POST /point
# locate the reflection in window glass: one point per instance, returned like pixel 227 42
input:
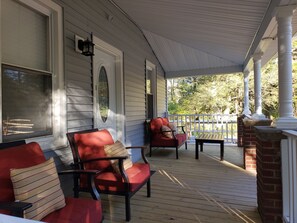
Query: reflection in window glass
pixel 103 94
pixel 26 103
pixel 149 81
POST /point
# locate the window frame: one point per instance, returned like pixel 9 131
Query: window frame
pixel 56 61
pixel 152 67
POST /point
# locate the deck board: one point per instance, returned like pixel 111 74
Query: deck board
pixel 189 190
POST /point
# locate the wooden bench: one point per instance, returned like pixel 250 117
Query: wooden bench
pixel 209 138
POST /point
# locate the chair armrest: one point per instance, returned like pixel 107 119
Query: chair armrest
pixel 182 126
pixel 135 147
pixel 142 151
pixel 173 133
pixel 87 172
pixel 123 172
pixel 102 158
pixel 168 131
pixel 17 208
pixel 90 176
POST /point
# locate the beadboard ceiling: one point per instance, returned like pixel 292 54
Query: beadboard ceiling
pixel 198 37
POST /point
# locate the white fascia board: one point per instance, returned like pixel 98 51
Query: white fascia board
pixel 270 13
pixel 206 71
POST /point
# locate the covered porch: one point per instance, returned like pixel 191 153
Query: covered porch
pixel 189 190
pixel 148 42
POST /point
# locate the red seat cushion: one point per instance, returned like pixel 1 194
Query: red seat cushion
pixel 168 142
pixel 111 181
pixel 26 155
pixel 77 211
pixel 181 138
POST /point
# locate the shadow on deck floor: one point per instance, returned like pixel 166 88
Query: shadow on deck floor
pixel 189 190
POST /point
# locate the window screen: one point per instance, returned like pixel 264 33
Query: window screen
pixel 24 34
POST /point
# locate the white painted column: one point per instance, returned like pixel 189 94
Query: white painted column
pixel 246 108
pixel 284 34
pixel 257 86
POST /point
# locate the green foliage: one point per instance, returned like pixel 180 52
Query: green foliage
pixel 173 107
pixel 208 94
pixel 212 94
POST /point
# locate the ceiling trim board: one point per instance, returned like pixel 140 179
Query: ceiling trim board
pixel 207 71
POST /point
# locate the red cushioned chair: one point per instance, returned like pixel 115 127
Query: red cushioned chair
pixel 158 138
pixel 88 154
pixel 19 155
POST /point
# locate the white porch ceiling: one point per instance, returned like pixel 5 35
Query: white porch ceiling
pixel 196 37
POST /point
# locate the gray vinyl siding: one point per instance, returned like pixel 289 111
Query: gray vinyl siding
pixel 82 17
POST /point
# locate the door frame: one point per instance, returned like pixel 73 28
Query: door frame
pixel 120 113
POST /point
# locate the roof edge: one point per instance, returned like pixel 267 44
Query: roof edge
pixel 204 71
pixel 270 13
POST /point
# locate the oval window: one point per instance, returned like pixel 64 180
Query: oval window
pixel 103 94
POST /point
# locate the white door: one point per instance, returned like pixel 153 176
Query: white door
pixel 107 92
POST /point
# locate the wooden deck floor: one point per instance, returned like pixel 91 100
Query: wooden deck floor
pixel 188 190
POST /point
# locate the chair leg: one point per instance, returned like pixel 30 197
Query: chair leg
pixel 148 188
pixel 150 151
pixel 186 144
pixel 75 187
pixel 128 208
pixel 176 153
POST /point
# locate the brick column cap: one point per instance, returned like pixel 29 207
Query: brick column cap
pixel 256 122
pixel 269 133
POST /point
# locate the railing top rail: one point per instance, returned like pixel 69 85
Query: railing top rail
pixel 290 133
pixel 202 114
pixel 225 124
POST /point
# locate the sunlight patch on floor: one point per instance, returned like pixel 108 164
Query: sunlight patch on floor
pixel 226 208
pixel 227 163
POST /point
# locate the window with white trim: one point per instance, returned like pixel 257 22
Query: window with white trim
pixel 32 79
pixel 151 99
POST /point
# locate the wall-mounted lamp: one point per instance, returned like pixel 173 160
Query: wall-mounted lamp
pixel 85 47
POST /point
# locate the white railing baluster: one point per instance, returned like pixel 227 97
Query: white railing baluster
pixel 214 123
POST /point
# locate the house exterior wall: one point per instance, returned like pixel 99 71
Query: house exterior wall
pixel 82 17
pixel 161 95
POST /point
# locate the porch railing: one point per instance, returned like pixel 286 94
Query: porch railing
pixel 289 176
pixel 208 123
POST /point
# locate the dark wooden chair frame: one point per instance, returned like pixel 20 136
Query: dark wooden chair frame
pixel 17 208
pixel 79 165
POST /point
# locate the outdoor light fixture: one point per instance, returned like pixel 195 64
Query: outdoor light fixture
pixel 85 47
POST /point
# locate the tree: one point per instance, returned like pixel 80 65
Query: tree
pixel 211 94
pixel 207 94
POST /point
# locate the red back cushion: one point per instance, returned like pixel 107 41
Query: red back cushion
pixel 165 121
pixel 91 145
pixel 26 155
pixel 156 124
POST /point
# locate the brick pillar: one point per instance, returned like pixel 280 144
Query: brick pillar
pixel 240 131
pixel 269 182
pixel 249 141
